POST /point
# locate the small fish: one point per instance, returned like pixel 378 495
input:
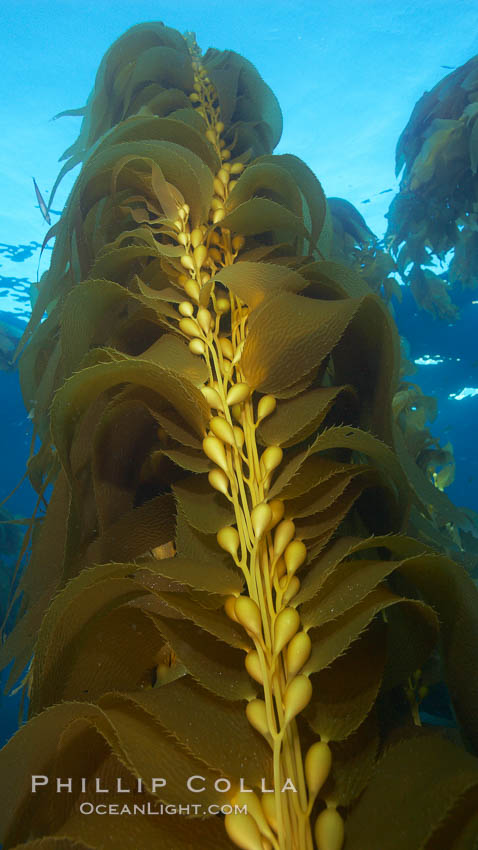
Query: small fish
pixel 9 338
pixel 383 192
pixel 448 67
pixel 41 203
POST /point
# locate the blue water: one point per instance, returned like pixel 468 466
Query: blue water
pixel 347 75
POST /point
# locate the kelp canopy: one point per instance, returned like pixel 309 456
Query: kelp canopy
pixel 436 209
pixel 221 586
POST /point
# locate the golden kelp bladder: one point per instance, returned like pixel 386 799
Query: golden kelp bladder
pixel 220 587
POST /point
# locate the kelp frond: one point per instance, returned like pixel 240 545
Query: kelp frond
pixel 435 211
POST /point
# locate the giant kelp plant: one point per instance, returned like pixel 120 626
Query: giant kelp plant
pixel 436 209
pixel 221 588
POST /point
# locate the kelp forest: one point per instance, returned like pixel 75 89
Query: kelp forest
pixel 248 578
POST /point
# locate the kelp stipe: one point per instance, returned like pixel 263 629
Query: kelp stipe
pixel 220 588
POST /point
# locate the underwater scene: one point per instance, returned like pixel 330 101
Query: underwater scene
pixel 239 383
